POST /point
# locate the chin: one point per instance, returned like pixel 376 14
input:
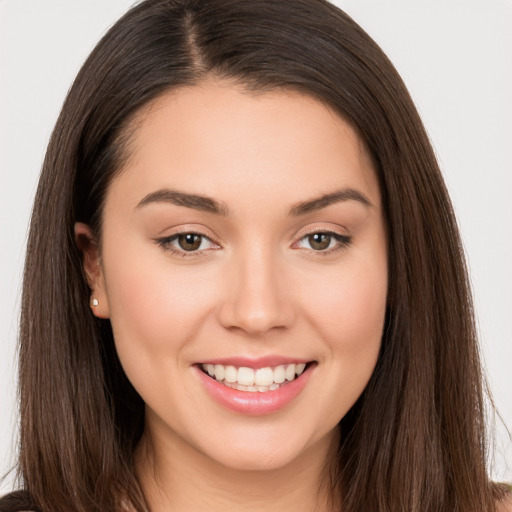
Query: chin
pixel 266 454
pixel 256 459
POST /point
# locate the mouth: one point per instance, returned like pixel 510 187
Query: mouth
pixel 256 380
pixel 255 387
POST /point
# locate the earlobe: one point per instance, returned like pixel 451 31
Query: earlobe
pixel 93 270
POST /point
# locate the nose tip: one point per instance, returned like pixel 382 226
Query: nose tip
pixel 254 320
pixel 257 301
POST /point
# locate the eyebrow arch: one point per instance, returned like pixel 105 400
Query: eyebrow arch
pixel 313 205
pixel 194 201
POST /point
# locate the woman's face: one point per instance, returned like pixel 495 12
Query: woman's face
pixel 244 237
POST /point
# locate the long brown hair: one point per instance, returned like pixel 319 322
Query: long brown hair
pixel 414 441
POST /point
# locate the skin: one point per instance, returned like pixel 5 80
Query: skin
pixel 256 287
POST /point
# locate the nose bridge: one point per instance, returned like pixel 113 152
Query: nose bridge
pixel 257 299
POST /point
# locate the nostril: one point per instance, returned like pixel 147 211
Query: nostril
pixel 257 301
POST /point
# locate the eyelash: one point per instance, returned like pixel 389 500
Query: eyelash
pixel 166 244
pixel 342 241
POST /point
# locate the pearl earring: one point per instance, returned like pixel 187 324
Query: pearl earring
pixel 94 303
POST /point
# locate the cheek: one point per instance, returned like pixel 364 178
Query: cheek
pixel 349 314
pixel 349 310
pixel 350 320
pixel 155 305
pixel 358 310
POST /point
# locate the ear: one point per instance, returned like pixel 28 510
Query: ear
pixel 93 269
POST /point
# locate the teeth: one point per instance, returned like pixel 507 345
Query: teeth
pixel 264 377
pixel 231 374
pixel 279 375
pixel 260 380
pixel 290 372
pixel 245 376
pixel 241 387
pixel 219 372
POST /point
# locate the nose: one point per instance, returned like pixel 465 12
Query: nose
pixel 258 297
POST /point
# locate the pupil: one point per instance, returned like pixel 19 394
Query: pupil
pixel 189 242
pixel 319 241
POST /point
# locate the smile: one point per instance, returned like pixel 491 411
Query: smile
pixel 254 380
pixel 266 388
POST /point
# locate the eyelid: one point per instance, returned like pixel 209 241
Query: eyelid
pixel 182 229
pixel 164 241
pixel 344 240
pixel 335 229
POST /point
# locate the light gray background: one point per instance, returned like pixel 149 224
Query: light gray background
pixel 454 55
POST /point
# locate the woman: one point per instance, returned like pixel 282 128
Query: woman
pixel 234 294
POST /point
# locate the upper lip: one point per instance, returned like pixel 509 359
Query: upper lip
pixel 260 362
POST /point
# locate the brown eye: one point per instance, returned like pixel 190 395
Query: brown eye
pixel 323 242
pixel 187 244
pixel 189 241
pixel 319 241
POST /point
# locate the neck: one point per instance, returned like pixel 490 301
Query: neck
pixel 176 477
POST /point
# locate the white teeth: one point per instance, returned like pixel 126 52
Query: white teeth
pixel 247 379
pixel 290 372
pixel 279 375
pixel 231 374
pixel 252 389
pixel 264 377
pixel 219 372
pixel 245 376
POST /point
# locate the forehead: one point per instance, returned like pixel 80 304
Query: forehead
pixel 217 137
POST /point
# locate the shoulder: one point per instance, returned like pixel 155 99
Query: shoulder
pixel 505 504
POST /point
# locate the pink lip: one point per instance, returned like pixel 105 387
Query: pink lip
pixel 261 362
pixel 254 403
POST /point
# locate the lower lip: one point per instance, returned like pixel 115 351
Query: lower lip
pixel 255 403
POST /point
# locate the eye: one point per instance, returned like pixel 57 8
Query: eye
pixel 190 241
pixel 324 241
pixel 183 243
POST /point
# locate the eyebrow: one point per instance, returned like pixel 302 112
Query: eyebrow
pixel 194 201
pixel 207 204
pixel 313 205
